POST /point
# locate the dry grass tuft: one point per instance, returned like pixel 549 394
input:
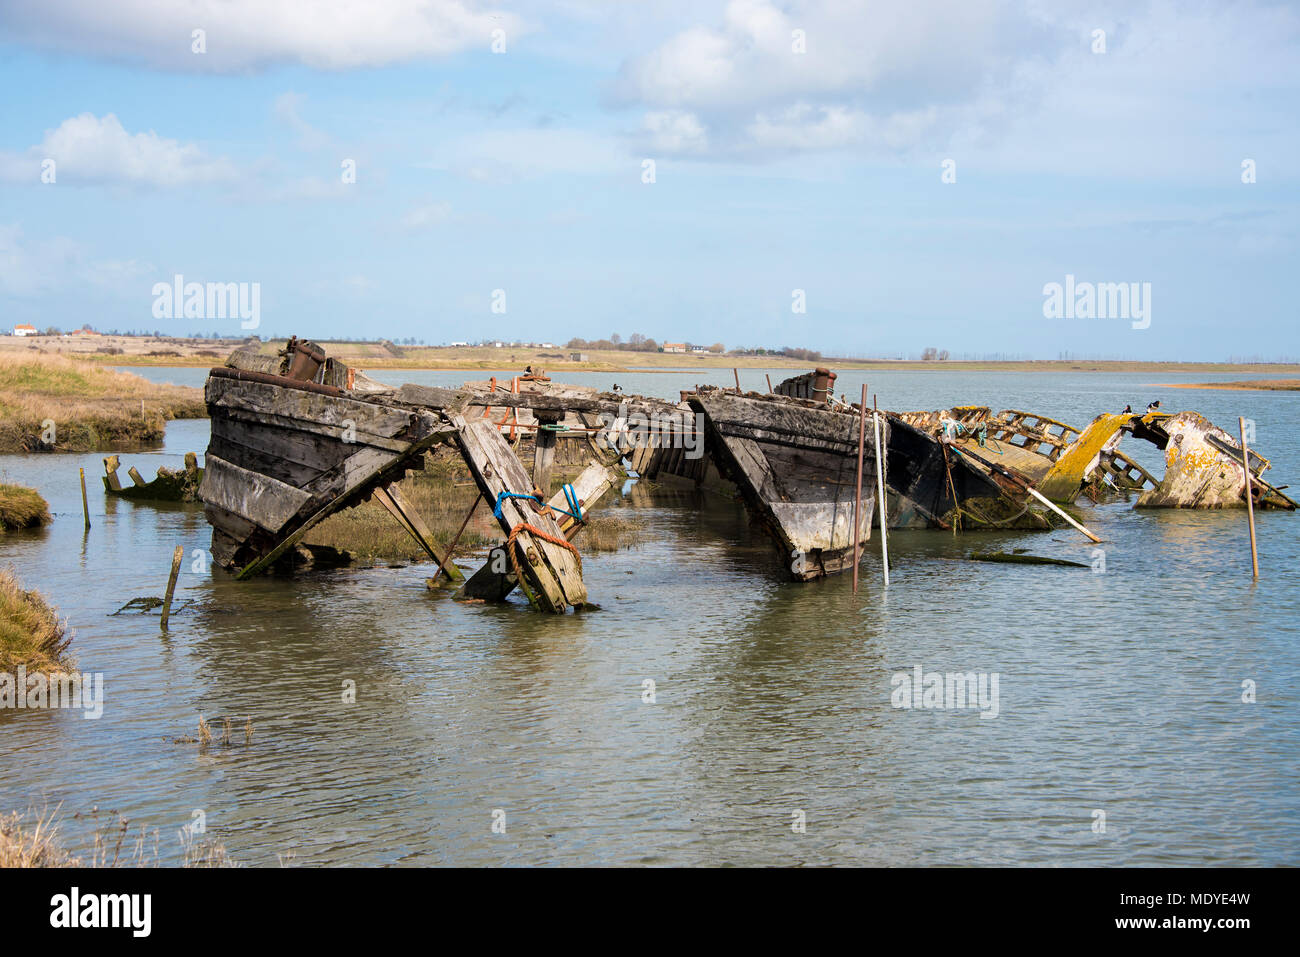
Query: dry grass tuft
pixel 22 508
pixel 31 633
pixel 607 532
pixel 93 408
pixel 36 843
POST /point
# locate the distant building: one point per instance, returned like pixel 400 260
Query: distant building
pixel 674 347
pixel 578 356
pixel 85 332
pixel 24 330
pixel 699 350
pixel 456 345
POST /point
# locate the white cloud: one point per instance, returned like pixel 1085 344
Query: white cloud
pixel 242 35
pixel 88 149
pixel 1006 83
pixel 675 131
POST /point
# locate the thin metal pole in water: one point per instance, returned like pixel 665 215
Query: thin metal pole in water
pixel 880 484
pixel 85 507
pixel 171 584
pixel 1250 499
pixel 857 499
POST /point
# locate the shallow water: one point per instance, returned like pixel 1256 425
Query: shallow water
pixel 1118 691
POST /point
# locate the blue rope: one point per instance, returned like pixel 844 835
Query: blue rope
pixel 502 496
pixel 570 496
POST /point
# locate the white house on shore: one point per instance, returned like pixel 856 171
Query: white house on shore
pixel 24 330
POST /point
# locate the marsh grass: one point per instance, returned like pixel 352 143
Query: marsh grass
pixel 442 495
pixel 607 532
pixel 31 633
pixel 92 407
pixel 34 840
pixel 22 508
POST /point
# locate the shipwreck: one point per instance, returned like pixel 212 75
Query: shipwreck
pixel 299 436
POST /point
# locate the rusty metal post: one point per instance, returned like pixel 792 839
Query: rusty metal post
pixel 1250 498
pixel 857 498
pixel 880 483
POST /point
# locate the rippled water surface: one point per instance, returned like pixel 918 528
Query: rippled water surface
pixel 1119 692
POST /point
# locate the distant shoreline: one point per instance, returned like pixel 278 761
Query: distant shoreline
pixel 1255 385
pixel 204 353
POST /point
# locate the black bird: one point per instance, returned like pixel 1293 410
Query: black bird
pixel 1153 407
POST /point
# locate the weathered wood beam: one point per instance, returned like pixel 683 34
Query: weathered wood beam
pixel 554 574
pixel 594 481
pixel 392 499
pixel 559 403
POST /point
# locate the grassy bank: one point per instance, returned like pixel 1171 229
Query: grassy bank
pixel 22 508
pixel 31 633
pixel 84 407
pixel 442 495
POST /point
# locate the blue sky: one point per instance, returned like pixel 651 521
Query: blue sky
pixel 775 170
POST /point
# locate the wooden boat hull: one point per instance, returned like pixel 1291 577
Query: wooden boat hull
pixel 795 463
pixel 796 467
pixel 281 453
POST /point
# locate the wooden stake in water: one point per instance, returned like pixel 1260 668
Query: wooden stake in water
pixel 880 483
pixel 736 373
pixel 171 584
pixel 85 507
pixel 1250 498
pixel 857 498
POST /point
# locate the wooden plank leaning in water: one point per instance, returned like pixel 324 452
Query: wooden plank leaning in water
pixel 177 555
pixel 491 585
pixel 392 499
pixel 554 575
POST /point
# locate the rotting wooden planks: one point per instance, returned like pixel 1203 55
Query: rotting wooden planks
pixel 259 499
pixel 492 584
pixel 553 573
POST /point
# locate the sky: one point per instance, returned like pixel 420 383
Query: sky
pixel 860 178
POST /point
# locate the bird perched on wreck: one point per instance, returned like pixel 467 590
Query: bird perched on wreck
pixel 1153 407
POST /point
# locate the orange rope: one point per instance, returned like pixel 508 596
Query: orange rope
pixel 536 533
